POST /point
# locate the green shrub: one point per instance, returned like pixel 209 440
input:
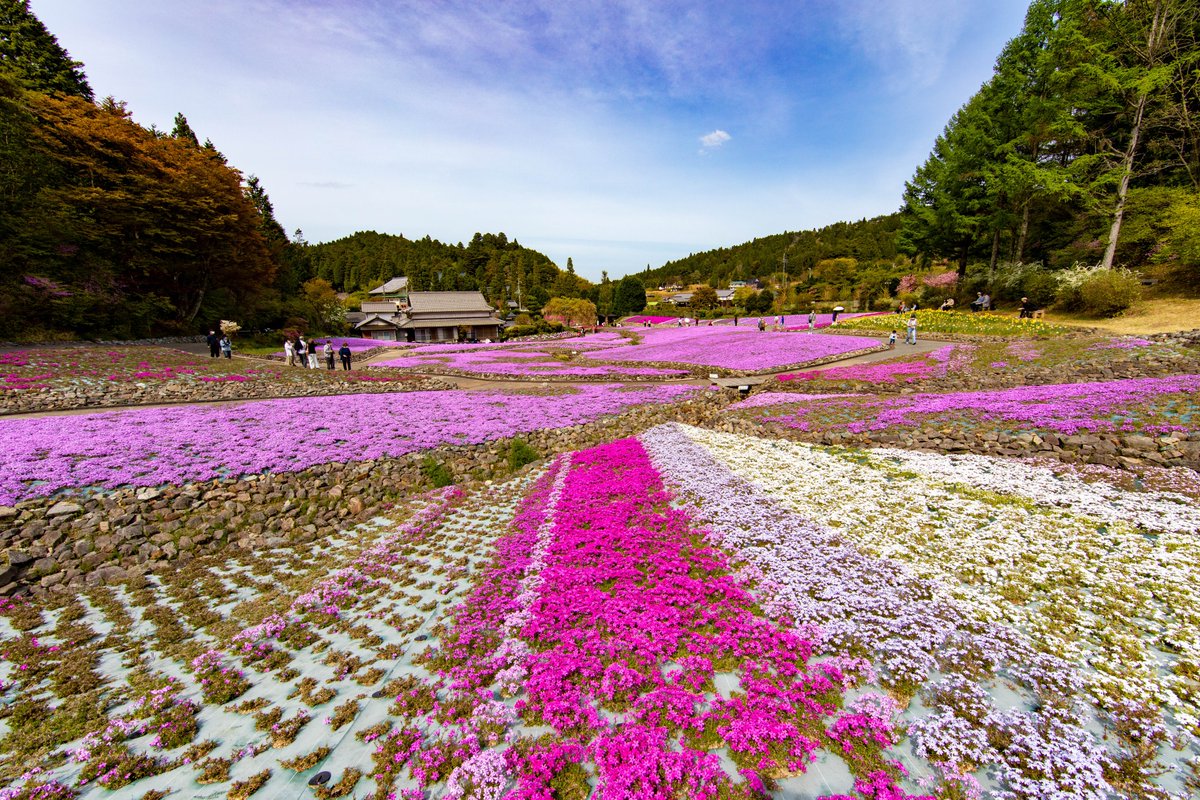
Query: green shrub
pixel 520 454
pixel 1108 292
pixel 1041 288
pixel 437 473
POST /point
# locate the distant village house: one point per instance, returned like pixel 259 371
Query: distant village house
pixel 395 314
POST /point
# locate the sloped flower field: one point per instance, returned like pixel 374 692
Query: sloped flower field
pixel 742 348
pixel 638 352
pixel 1044 627
pixel 683 614
pixel 148 447
pixel 1145 405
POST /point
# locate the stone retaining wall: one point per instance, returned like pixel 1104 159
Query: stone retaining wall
pixel 66 542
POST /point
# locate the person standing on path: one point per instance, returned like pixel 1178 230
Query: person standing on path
pixel 892 340
pixel 302 352
pixel 289 352
pixel 812 320
pixel 226 347
pixel 328 351
pixel 344 352
pixel 314 362
pixel 911 335
pixel 214 344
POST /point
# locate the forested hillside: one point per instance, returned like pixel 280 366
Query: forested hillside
pixel 109 228
pixel 867 241
pixel 501 268
pixel 1084 147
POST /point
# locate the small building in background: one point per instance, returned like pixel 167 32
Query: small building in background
pixel 397 315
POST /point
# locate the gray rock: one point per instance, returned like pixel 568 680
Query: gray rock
pixel 62 508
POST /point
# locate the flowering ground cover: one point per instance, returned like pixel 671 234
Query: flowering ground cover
pixel 684 614
pixel 1146 405
pixel 525 363
pixel 741 349
pixel 642 319
pixel 601 642
pixel 148 447
pixel 241 673
pixel 77 377
pixel 43 368
pixel 940 363
pixel 1008 362
pixel 959 322
pixel 1040 631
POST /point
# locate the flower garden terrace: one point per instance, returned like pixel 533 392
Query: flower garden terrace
pixel 682 613
pixel 639 354
pixel 60 378
pixel 233 600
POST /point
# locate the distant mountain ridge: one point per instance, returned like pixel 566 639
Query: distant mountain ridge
pixel 867 241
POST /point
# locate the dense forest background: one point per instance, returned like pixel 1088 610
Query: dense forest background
pixel 1082 151
pixel 1084 147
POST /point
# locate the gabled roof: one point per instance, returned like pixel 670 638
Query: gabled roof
pixel 394 286
pixel 442 302
pixel 384 319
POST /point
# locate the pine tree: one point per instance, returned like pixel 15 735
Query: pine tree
pixel 184 133
pixel 35 56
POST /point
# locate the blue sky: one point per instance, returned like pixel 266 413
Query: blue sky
pixel 619 133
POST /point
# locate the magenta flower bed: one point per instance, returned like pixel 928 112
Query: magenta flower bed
pixel 643 319
pixel 148 447
pixel 517 363
pixel 888 372
pixel 609 618
pixel 1066 408
pixel 742 348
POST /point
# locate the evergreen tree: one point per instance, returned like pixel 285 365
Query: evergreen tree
pixel 34 55
pixel 630 296
pixel 184 133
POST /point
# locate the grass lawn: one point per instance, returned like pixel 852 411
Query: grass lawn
pixel 1154 315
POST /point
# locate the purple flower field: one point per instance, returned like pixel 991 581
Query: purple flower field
pixel 1152 405
pixel 149 447
pixel 742 348
pixel 529 364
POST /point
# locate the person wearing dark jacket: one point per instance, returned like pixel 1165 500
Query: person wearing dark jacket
pixel 214 344
pixel 344 352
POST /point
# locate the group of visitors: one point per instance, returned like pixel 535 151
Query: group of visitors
pixel 219 345
pixel 304 354
pixel 982 302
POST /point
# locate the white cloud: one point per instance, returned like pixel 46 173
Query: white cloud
pixel 713 140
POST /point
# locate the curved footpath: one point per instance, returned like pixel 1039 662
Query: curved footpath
pixel 482 383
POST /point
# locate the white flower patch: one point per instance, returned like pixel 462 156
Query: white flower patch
pixel 1118 602
pixel 875 607
pixel 1158 511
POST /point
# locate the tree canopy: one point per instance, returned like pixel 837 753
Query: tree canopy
pixel 492 263
pixel 1088 124
pixel 33 55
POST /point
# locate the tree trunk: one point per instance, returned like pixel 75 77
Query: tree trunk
pixel 995 255
pixel 1114 233
pixel 1023 232
pixel 1158 31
